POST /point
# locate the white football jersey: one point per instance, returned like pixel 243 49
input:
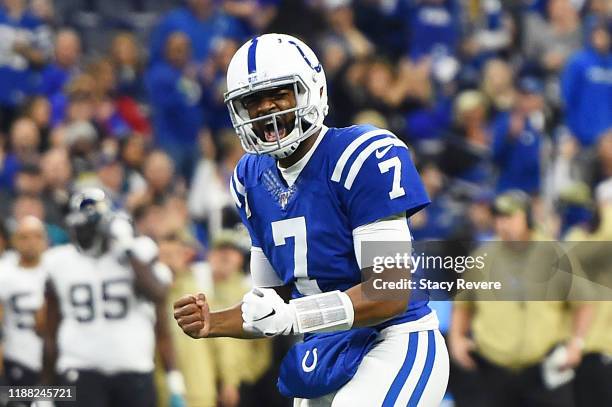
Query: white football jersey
pixel 21 295
pixel 106 325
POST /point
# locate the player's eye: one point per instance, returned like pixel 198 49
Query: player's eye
pixel 249 102
pixel 281 93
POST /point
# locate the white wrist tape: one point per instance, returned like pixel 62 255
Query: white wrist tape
pixel 332 311
pixel 175 382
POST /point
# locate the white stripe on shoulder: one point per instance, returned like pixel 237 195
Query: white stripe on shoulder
pixel 358 163
pixel 239 187
pixel 351 149
pixel 233 194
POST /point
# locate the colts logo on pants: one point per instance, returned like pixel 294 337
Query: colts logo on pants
pixel 310 368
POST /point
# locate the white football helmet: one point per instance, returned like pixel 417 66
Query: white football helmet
pixel 270 61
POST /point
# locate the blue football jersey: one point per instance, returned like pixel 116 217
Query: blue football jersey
pixel 356 175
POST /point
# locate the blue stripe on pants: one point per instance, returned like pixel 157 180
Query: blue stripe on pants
pixel 429 361
pixel 402 375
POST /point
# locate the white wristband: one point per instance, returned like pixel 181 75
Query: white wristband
pixel 325 312
pixel 175 382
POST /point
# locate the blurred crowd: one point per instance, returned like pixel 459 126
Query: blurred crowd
pixel 127 95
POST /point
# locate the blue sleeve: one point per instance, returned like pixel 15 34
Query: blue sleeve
pixel 501 142
pixel 163 89
pixel 380 180
pixel 570 83
pixel 239 195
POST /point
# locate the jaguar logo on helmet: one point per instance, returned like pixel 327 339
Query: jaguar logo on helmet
pixel 271 61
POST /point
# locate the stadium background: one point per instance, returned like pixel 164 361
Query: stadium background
pixel 128 95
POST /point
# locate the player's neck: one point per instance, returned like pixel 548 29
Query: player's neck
pixel 29 263
pixel 300 152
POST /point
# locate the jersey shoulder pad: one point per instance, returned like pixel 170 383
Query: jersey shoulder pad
pixel 56 258
pixel 374 176
pixel 246 175
pixel 350 147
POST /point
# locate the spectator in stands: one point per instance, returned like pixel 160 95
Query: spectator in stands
pixel 201 21
pixel 133 153
pixel 226 264
pixel 129 66
pixel 175 96
pixel 209 199
pixel 24 148
pixel 57 174
pixel 27 205
pixel 45 11
pixel 81 138
pixel 440 219
pixel 517 139
pixel 594 375
pixel 25 47
pixel 506 342
pixel 498 85
pixel 481 217
pixel 550 40
pixel 117 116
pixel 158 171
pixel 213 86
pixel 38 109
pixel 433 27
pixel 76 103
pixel 586 85
pixel 254 15
pixel 219 361
pixel 343 33
pixel 489 31
pixel 110 174
pixel 467 151
pixel 28 181
pixel 65 65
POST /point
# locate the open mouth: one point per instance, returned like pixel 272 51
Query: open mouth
pixel 269 131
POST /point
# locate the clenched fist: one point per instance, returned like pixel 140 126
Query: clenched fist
pixel 192 313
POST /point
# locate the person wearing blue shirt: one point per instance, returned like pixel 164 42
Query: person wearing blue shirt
pixel 65 65
pixel 203 23
pixel 433 26
pixel 316 201
pixel 24 45
pixel 586 86
pixel 175 97
pixel 517 137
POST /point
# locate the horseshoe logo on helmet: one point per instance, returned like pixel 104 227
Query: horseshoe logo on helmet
pixel 315 68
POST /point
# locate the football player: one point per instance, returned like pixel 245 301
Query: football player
pixel 21 298
pixel 311 196
pixel 102 293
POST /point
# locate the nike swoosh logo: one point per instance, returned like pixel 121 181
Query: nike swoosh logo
pixel 380 154
pixel 264 317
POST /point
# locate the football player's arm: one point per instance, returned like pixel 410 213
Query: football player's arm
pixel 40 320
pixel 146 282
pixel 370 312
pixel 265 313
pixel 174 378
pixel 373 311
pixel 53 318
pixel 141 253
pixel 193 315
